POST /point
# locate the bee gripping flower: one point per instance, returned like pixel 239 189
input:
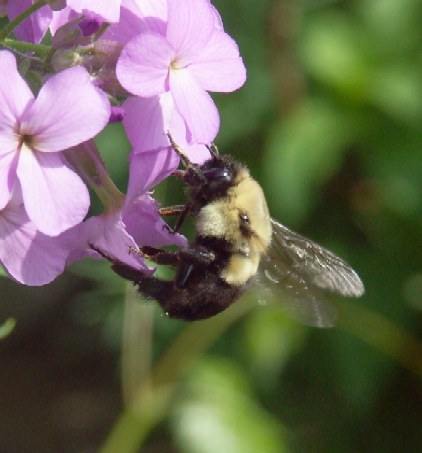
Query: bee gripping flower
pixel 67 111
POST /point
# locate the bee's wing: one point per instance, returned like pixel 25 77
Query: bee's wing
pixel 300 272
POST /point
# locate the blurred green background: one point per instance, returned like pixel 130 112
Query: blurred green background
pixel 330 122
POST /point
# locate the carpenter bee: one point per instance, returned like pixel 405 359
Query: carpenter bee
pixel 237 243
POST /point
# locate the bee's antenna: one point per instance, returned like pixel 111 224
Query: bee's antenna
pixel 212 148
pixel 185 159
pixel 190 166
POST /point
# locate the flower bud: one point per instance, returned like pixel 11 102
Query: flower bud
pixel 57 5
pixel 117 115
pixel 89 25
pixel 68 35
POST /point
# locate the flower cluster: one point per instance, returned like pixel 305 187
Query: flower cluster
pixel 67 69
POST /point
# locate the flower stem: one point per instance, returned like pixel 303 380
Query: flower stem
pixel 24 47
pixel 154 395
pixel 4 33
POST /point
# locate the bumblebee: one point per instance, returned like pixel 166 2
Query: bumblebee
pixel 238 244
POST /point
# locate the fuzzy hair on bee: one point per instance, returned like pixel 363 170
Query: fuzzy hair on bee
pixel 237 243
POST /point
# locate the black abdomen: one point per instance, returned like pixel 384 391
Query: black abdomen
pixel 204 295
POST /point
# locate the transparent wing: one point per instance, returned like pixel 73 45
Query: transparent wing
pixel 301 274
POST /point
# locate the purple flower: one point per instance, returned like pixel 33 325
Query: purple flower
pixel 67 111
pixel 193 56
pixel 131 221
pixel 29 256
pixel 108 10
pixel 157 115
pixel 35 27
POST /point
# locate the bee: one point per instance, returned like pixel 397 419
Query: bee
pixel 236 244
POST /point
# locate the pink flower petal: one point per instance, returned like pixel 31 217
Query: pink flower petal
pixel 28 256
pixel 108 233
pixel 14 93
pixel 68 110
pixel 147 120
pixel 34 28
pixel 219 66
pixel 8 163
pixel 61 18
pixel 146 226
pixel 138 17
pixel 195 105
pixel 144 64
pixel 108 10
pixel 149 168
pixel 190 24
pixel 55 197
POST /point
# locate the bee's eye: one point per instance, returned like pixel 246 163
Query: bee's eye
pixel 244 218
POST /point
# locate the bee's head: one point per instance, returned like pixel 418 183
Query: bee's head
pixel 239 216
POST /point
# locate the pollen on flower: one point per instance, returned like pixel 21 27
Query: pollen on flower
pixel 174 65
pixel 27 140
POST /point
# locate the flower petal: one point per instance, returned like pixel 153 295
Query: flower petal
pixel 144 64
pixel 190 25
pixel 143 222
pixel 138 17
pixel 195 105
pixel 108 233
pixel 14 94
pixel 8 162
pixel 54 195
pixel 34 28
pixel 219 66
pixel 149 168
pixel 29 256
pixel 68 110
pixel 147 120
pixel 109 10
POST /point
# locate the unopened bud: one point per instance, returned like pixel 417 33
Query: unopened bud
pixel 117 115
pixel 68 35
pixel 56 5
pixel 89 25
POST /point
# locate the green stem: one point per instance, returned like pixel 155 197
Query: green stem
pixel 24 47
pixel 382 334
pixel 154 395
pixel 4 33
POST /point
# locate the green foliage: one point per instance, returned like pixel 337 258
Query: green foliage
pixel 220 413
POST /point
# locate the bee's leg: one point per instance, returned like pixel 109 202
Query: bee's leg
pixel 160 256
pixel 176 209
pixel 181 210
pixel 122 269
pixel 189 258
pixel 182 218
